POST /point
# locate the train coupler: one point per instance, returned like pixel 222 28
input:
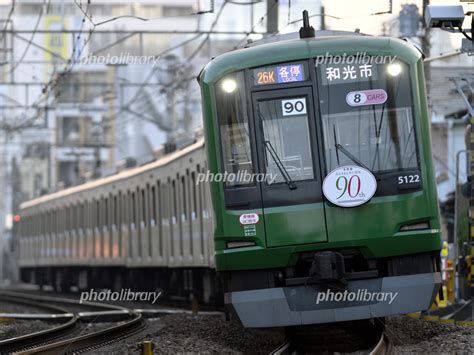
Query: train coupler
pixel 328 266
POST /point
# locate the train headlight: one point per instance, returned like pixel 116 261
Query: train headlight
pixel 229 85
pixel 394 69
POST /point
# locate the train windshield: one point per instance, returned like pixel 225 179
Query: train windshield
pixel 286 139
pixel 367 116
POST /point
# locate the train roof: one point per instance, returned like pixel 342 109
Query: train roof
pixel 116 177
pixel 335 43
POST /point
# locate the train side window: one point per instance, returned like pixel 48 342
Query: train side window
pixel 86 214
pixel 153 205
pixel 144 214
pixel 98 213
pixel 105 221
pixel 80 218
pixel 159 216
pixel 134 211
pixel 94 214
pixel 68 218
pixel 172 211
pixel 126 206
pixel 175 203
pixel 39 225
pixel 51 222
pixel 61 219
pixel 116 210
pixel 234 128
pixel 72 217
pixel 184 215
pixel 125 218
pixel 194 202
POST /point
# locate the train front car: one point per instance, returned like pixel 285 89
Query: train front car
pixel 324 197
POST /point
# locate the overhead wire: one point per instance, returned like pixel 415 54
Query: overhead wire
pixel 9 17
pixel 35 29
pixel 52 83
pixel 189 58
pixel 140 18
pixel 256 24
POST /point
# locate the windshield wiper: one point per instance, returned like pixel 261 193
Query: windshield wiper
pixel 348 154
pixel 280 165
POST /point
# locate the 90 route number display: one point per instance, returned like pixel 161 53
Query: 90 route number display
pixel 349 186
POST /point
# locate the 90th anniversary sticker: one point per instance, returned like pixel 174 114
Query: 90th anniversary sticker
pixel 349 186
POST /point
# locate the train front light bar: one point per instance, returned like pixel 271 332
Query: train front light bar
pixel 240 244
pixel 415 226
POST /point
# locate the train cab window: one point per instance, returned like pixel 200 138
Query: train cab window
pixel 286 139
pixel 367 116
pixel 234 127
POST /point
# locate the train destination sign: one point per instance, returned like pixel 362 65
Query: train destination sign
pixel 349 186
pixel 279 74
pixel 347 73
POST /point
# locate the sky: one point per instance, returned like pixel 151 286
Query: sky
pixel 357 14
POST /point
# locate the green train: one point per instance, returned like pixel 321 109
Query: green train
pixel 321 177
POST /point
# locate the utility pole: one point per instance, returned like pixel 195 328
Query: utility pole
pixel 272 16
pixel 425 46
pixel 323 19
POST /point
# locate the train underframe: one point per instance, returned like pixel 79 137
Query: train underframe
pixel 176 284
pixel 333 286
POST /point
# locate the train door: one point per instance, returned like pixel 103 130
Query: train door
pixel 288 159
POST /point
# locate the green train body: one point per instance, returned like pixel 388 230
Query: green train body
pixel 296 240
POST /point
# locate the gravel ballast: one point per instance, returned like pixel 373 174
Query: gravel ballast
pixel 180 333
pixel 14 328
pixel 417 336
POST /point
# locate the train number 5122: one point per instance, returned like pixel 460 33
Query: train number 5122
pixel 408 179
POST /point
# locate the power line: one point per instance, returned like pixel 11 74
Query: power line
pixel 10 13
pixel 12 70
pixel 52 82
pixel 213 25
pixel 256 24
pixel 144 19
pixel 245 3
pixel 190 57
pixel 152 72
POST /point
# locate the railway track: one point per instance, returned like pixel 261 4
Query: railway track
pixel 71 335
pixel 345 337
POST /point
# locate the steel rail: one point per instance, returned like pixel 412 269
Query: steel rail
pixel 25 341
pixel 91 340
pixel 39 342
pixel 381 346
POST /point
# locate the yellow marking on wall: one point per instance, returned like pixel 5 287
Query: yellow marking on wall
pixel 58 43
